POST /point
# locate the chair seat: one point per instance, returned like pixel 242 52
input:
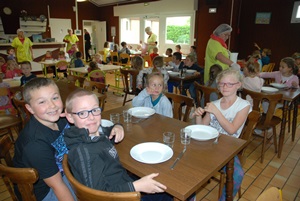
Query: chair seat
pixel 7 120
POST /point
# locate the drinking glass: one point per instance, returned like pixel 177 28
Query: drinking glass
pixel 126 116
pixel 115 117
pixel 169 138
pixel 185 136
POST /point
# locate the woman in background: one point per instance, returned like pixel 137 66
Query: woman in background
pixel 151 41
pixel 87 45
pixel 23 47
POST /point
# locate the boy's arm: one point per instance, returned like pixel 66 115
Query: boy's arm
pixel 148 185
pixel 60 189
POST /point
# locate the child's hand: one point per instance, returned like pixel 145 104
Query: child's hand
pixel 149 90
pixel 294 84
pixel 140 86
pixel 211 108
pixel 198 112
pixel 147 184
pixel 117 131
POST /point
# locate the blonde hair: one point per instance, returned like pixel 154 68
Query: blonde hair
pixel 78 93
pixel 137 63
pixel 227 72
pixel 253 66
pixel 152 75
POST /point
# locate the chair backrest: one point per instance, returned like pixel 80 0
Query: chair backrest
pixel 6 143
pixel 101 52
pixel 23 177
pixel 129 80
pixel 178 102
pixel 62 65
pixel 98 88
pixel 204 92
pixel 265 68
pixel 246 134
pixel 271 67
pixel 258 98
pixel 167 59
pixel 115 58
pixel 148 59
pixel 85 193
pixel 271 194
pixel 73 78
pixel 97 76
pixel 125 59
pixel 22 110
pixel 6 92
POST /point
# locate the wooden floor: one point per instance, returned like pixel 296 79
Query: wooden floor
pixel 283 173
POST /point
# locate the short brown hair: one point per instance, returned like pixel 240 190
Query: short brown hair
pixel 158 61
pixel 78 93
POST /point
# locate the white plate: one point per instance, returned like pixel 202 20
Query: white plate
pixel 190 71
pixel 278 85
pixel 203 133
pixel 269 89
pixel 106 123
pixel 169 67
pixel 151 152
pixel 173 73
pixel 141 112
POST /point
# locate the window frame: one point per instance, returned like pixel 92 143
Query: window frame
pixel 296 9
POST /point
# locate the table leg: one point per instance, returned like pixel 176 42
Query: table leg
pixel 117 83
pixel 229 180
pixel 181 86
pixel 282 128
pixel 294 125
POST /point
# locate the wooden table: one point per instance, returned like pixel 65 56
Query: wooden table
pixel 183 79
pixel 48 63
pixel 199 163
pixel 290 96
pixel 14 84
pixel 83 70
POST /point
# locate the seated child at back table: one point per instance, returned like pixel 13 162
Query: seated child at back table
pixel 100 168
pixel 26 70
pixel 13 69
pixel 152 96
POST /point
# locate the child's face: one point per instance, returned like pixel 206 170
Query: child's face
pixel 85 103
pixel 188 62
pixel 61 56
pixel 284 69
pixel 26 69
pixel 168 52
pixel 228 85
pixel 11 52
pixel 155 51
pixel 156 85
pixel 12 66
pixel 45 104
pixel 177 49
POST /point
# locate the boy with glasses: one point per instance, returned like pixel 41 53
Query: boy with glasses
pixel 92 156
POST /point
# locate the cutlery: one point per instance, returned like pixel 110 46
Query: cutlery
pixel 178 158
pixel 217 139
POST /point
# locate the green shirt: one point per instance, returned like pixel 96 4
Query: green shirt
pixel 23 49
pixel 72 40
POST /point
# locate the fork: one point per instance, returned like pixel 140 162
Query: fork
pixel 217 139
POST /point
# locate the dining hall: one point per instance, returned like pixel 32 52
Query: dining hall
pixel 185 100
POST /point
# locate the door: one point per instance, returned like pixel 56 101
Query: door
pixel 59 28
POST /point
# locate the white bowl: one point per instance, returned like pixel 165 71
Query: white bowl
pixel 169 67
pixel 171 73
pixel 278 85
pixel 106 123
pixel 190 71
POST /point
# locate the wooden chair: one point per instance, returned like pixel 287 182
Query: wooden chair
pixel 124 59
pixel 84 193
pixel 167 60
pixel 147 58
pixel 246 134
pixel 179 101
pixel 101 52
pixel 271 194
pixel 9 121
pixel 114 56
pixel 99 88
pixel 204 92
pixel 271 67
pixel 23 177
pixel 268 120
pixel 97 76
pixel 129 82
pixel 61 66
pixel 22 110
pixel 73 78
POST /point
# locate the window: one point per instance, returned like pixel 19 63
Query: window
pixel 296 12
pixel 178 30
pixel 130 30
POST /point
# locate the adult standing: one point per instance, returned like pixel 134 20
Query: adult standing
pixel 70 39
pixel 87 46
pixel 23 47
pixel 151 40
pixel 217 52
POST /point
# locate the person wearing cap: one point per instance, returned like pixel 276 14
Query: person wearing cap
pixel 217 52
pixel 151 40
pixel 70 39
pixel 23 47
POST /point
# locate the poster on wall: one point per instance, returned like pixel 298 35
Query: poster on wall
pixel 263 18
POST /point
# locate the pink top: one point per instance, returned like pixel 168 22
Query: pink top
pixel 13 73
pixel 253 84
pixel 281 79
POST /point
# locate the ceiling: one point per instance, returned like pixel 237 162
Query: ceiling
pixel 101 3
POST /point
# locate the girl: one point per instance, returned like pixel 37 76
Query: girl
pixel 13 69
pixel 153 97
pixel 251 80
pixel 97 58
pixel 227 115
pixel 48 56
pixel 287 73
pixel 214 71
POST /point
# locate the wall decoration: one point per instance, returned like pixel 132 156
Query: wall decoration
pixel 263 18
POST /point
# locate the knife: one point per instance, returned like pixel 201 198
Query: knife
pixel 178 158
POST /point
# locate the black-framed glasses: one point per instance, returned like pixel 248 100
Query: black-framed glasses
pixel 228 84
pixel 85 113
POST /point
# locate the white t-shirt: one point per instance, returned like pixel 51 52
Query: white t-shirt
pixel 229 114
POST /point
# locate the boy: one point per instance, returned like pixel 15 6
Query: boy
pixel 177 65
pixel 178 49
pixel 40 144
pixel 78 61
pixel 154 53
pixel 26 70
pixel 99 168
pixel 153 97
pixel 3 65
pixel 11 54
pixel 169 52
